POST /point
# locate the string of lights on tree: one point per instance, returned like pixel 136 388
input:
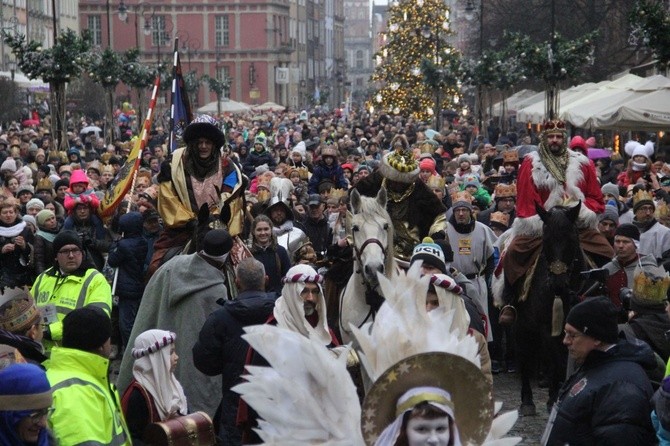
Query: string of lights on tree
pixel 651 21
pixel 416 61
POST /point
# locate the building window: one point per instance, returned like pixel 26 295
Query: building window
pixel 95 27
pixel 359 82
pixel 222 73
pixel 159 36
pixel 222 34
pixel 359 59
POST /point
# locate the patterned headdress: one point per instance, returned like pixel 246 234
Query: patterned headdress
pixel 399 164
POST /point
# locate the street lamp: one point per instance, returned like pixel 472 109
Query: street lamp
pixel 139 10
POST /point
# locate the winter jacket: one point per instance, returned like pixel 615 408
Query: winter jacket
pixel 276 262
pixel 622 276
pixel 332 173
pixel 660 417
pixel 129 255
pixel 607 400
pixel 255 159
pixel 44 252
pixel 220 350
pixel 320 234
pixel 94 237
pixel 67 293
pixel 87 407
pixel 16 266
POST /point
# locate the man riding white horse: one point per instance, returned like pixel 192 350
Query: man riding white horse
pixel 415 211
pixel 552 176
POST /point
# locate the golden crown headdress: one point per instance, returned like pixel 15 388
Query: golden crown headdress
pixel 651 286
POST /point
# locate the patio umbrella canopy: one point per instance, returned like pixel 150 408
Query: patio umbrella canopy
pixel 269 106
pixel 650 112
pixel 227 106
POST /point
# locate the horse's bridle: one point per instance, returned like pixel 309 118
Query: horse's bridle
pixel 359 252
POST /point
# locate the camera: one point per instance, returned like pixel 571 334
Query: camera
pixel 625 295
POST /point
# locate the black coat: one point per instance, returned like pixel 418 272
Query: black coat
pixel 220 350
pixel 255 159
pixel 276 262
pixel 607 400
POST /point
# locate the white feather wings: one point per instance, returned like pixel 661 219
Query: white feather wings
pixel 307 397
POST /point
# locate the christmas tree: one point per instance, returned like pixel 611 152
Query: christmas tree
pixel 417 72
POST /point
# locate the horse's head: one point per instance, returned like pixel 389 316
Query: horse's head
pixel 560 244
pixel 372 234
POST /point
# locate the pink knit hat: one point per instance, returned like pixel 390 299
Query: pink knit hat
pixel 428 164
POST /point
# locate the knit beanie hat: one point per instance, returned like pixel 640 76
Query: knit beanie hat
pixel 461 199
pixel 431 254
pixel 86 328
pixel 24 387
pixel 610 189
pixel 217 242
pixel 62 182
pixel 19 313
pixel 35 203
pixel 595 317
pixel 8 165
pixel 29 219
pixel 43 216
pixel 628 230
pixel 611 213
pixel 66 238
pixel 428 164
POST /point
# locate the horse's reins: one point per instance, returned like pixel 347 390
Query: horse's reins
pixel 368 287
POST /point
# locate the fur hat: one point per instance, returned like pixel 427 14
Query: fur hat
pixel 399 164
pixel 634 148
pixel 86 328
pixel 431 254
pixel 204 126
pixel 595 317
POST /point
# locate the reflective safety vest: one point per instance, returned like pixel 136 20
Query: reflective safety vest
pixel 87 409
pixel 67 293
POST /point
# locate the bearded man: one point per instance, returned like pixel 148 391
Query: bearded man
pixel 415 210
pixel 200 174
pixel 552 176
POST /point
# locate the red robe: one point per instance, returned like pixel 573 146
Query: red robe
pixel 536 185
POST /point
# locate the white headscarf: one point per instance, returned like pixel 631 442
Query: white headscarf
pixel 289 310
pixel 448 291
pixel 152 370
pixel 432 395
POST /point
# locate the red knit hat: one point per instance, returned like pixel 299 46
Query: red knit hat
pixel 428 164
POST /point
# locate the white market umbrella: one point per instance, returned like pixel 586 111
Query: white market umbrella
pixel 650 112
pixel 269 106
pixel 514 102
pixel 227 106
pixel 535 113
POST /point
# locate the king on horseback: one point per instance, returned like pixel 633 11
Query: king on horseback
pixel 552 176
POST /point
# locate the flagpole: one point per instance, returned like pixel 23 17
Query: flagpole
pixel 180 108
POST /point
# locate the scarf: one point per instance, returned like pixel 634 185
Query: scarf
pixel 12 231
pixel 462 228
pixel 152 371
pixel 200 168
pixel 285 227
pixel 47 235
pixel 639 167
pixel 644 227
pixel 556 164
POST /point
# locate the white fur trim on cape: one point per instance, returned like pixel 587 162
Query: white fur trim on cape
pixel 544 180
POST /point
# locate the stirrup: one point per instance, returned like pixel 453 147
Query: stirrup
pixel 507 315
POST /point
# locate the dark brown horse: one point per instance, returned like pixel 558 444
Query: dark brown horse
pixel 541 316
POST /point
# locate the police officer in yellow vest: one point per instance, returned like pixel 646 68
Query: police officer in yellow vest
pixel 86 406
pixel 70 284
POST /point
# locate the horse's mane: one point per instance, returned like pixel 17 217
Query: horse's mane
pixel 371 209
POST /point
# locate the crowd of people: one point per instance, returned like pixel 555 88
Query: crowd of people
pixel 246 224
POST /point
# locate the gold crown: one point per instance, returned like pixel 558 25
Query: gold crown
pixel 553 126
pixel 510 156
pixel 435 182
pixel 505 190
pixel 500 218
pixel 462 196
pixel 642 195
pixel 651 287
pixel 337 193
pixel 662 210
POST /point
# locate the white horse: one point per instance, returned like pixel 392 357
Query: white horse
pixel 372 232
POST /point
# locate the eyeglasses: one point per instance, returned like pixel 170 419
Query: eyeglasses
pixel 313 291
pixel 69 252
pixel 571 336
pixel 646 208
pixel 37 416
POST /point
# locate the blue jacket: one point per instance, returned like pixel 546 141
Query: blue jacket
pixel 607 400
pixel 129 254
pixel 322 172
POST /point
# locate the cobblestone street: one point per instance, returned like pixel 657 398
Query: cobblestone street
pixel 507 388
